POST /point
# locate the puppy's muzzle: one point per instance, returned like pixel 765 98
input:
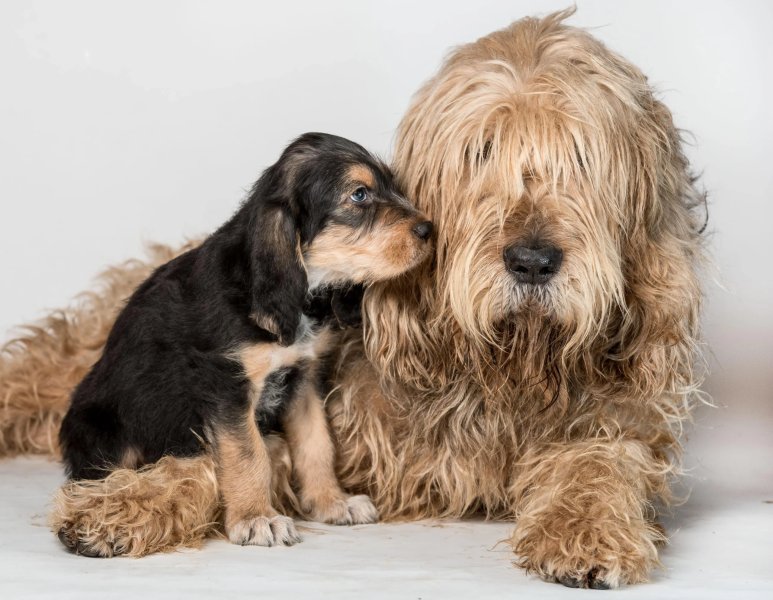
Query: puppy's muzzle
pixel 529 264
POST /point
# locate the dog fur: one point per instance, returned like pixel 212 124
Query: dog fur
pixel 561 406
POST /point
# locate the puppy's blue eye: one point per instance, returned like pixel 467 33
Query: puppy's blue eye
pixel 359 195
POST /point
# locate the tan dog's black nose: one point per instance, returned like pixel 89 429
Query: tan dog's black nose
pixel 533 265
pixel 423 230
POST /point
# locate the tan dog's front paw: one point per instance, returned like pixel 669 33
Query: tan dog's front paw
pixel 595 579
pixel 581 554
pixel 344 510
pixel 93 545
pixel 264 531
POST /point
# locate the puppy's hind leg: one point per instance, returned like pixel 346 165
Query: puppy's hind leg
pixel 313 456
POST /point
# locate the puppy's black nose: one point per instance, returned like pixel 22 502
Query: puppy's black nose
pixel 423 230
pixel 533 265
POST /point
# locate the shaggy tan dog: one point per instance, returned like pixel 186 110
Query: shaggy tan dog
pixel 551 392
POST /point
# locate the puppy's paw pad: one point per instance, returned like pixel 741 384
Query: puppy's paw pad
pixel 264 531
pixel 361 509
pixel 284 531
pixel 345 510
pixel 334 511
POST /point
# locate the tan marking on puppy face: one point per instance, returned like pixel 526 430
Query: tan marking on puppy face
pixel 359 173
pixel 386 251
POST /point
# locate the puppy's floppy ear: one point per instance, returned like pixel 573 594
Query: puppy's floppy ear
pixel 279 281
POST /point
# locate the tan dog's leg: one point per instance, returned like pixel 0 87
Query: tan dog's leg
pixel 583 516
pixel 164 506
pixel 313 457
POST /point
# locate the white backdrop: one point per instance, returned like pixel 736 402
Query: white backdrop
pixel 146 120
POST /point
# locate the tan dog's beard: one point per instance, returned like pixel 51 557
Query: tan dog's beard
pixel 545 301
pixel 476 287
pixel 499 302
pixel 542 331
pixel 579 302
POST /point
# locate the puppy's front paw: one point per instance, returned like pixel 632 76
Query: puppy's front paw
pixel 264 531
pixel 345 510
pixel 361 509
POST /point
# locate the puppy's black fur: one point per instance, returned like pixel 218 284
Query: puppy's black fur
pixel 165 377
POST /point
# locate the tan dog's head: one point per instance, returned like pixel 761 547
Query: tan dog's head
pixel 563 204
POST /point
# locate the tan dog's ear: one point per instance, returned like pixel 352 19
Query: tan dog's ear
pixel 396 332
pixel 661 253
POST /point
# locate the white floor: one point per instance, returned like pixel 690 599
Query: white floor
pixel 721 547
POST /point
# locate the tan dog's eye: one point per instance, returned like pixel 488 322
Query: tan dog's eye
pixel 360 195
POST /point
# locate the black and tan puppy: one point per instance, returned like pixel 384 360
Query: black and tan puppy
pixel 184 369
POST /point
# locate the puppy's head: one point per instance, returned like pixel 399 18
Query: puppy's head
pixel 327 212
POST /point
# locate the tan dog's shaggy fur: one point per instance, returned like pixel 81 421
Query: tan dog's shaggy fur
pixel 562 406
